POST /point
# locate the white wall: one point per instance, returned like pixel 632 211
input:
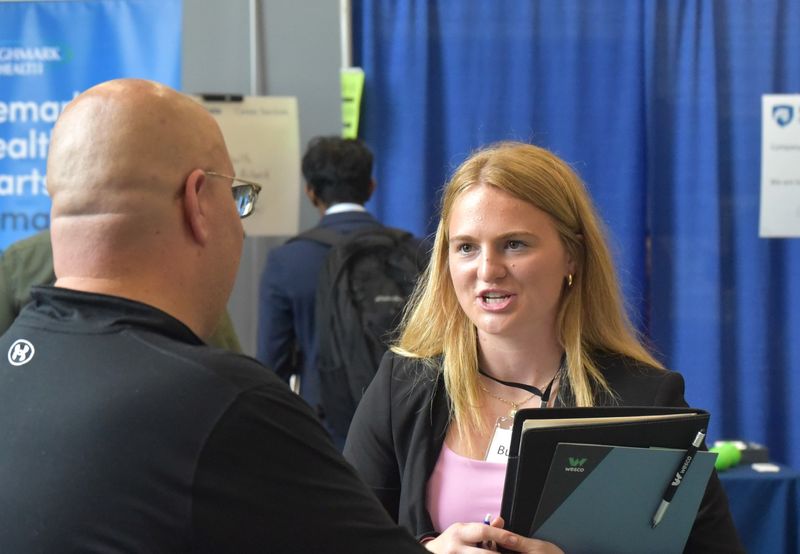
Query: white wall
pixel 300 53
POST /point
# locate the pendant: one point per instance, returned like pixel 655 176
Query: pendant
pixel 512 412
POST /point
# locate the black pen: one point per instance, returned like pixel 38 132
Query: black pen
pixel 678 479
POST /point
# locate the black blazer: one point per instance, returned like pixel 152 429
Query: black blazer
pixel 400 425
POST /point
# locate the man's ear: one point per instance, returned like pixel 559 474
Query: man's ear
pixel 371 189
pixel 194 209
pixel 312 196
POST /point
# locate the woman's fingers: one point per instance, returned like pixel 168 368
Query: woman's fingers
pixel 527 545
pixel 469 538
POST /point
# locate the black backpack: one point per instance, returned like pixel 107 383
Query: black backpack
pixel 362 289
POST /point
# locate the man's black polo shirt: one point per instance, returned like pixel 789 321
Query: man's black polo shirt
pixel 120 431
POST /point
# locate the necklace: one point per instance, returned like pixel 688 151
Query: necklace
pixel 514 405
pixel 544 395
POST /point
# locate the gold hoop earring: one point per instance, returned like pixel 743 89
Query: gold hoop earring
pixel 569 280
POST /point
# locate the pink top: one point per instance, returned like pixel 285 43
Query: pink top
pixel 464 490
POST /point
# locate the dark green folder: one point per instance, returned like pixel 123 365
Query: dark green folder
pixel 601 499
pixel 532 450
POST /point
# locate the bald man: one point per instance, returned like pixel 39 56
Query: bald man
pixel 120 431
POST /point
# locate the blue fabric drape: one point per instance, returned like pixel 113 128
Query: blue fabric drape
pixel 657 105
pixel 724 308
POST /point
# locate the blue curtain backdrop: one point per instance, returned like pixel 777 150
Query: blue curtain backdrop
pixel 51 51
pixel 658 107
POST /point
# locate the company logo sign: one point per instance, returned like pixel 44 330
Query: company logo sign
pixel 29 61
pixel 575 465
pixel 783 114
pixel 682 471
pixel 21 352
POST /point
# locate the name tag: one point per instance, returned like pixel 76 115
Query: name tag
pixel 498 450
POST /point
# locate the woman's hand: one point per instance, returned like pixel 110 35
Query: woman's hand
pixel 463 538
pixel 473 538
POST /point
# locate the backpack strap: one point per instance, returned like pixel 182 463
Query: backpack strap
pixel 329 237
pixel 322 235
pixel 399 234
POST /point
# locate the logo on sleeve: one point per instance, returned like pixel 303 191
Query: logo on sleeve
pixel 21 352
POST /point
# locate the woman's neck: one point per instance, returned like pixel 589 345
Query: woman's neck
pixel 534 363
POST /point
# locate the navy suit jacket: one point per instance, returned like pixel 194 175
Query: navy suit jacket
pixel 286 302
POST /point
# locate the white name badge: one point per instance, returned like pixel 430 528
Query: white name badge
pixel 498 450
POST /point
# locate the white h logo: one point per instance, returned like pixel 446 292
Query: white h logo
pixel 21 352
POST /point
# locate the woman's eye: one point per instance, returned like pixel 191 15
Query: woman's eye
pixel 515 244
pixel 465 248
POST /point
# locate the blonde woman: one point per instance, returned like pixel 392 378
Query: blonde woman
pixel 520 307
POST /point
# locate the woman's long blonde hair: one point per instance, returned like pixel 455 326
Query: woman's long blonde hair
pixel 591 315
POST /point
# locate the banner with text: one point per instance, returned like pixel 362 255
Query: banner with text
pixel 49 53
pixel 780 166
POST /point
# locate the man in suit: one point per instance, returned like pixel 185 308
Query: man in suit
pixel 338 176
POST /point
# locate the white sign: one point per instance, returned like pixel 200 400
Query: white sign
pixel 780 166
pixel 263 138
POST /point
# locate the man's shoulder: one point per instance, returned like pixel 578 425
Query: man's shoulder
pixel 30 261
pixel 302 248
pixel 238 371
pixel 32 245
pixel 296 245
pixel 295 262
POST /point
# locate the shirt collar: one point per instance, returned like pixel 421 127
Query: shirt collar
pixel 345 207
pixel 94 312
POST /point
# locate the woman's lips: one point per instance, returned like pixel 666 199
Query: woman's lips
pixel 495 301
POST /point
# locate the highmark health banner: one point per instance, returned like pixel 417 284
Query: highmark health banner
pixel 49 53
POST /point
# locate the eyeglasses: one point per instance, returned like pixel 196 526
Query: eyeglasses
pixel 244 194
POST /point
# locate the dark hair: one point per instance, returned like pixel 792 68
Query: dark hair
pixel 338 170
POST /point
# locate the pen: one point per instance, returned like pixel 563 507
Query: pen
pixel 678 479
pixel 489 545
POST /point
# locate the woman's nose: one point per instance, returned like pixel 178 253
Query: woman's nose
pixel 492 267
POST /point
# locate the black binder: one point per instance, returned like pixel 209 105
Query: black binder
pixel 532 450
